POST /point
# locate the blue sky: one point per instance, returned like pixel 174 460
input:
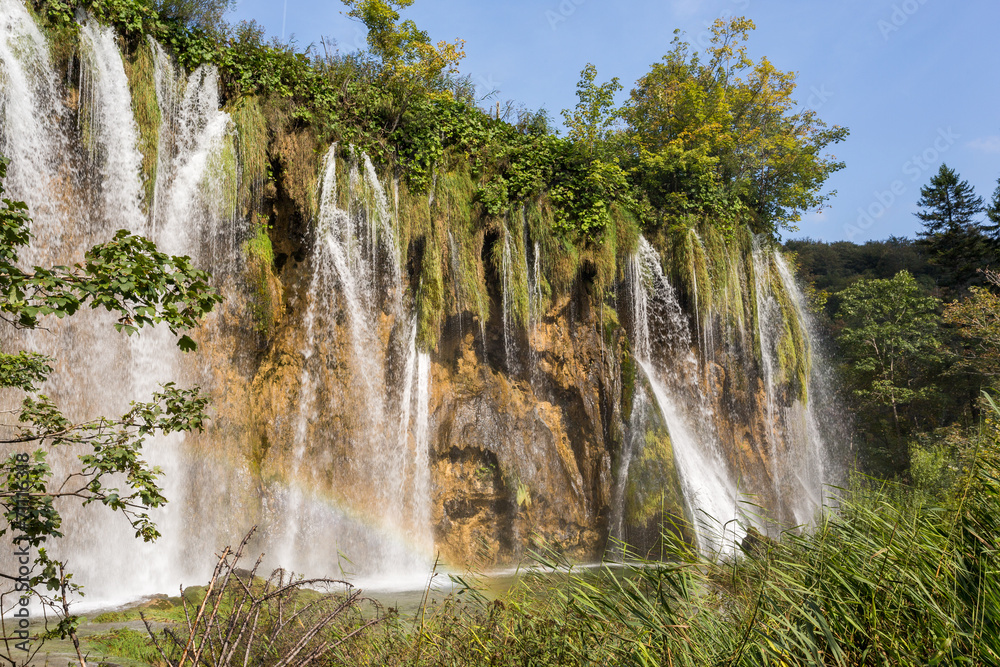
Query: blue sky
pixel 916 81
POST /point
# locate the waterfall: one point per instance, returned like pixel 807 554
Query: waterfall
pixel 110 128
pixel 770 326
pixel 507 301
pixel 812 471
pixel 378 401
pixel 31 111
pixel 662 348
pixel 421 460
pixel 796 446
pixel 342 470
pixel 194 184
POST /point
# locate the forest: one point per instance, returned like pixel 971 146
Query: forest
pixel 710 164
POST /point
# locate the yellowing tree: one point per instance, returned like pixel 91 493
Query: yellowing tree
pixel 722 135
pixel 405 51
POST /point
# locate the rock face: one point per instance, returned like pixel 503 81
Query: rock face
pixel 524 458
pixel 544 431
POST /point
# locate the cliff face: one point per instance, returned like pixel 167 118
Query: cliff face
pixel 609 411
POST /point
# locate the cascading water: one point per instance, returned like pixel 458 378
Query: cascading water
pixel 810 468
pixel 662 348
pixel 110 128
pixel 32 116
pixel 378 401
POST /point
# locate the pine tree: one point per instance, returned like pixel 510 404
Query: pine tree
pixel 952 234
pixel 992 229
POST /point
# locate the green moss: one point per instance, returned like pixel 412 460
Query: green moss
pixel 222 178
pixel 794 359
pixel 140 68
pixel 430 296
pixel 295 152
pixel 611 325
pixel 653 485
pixel 453 206
pixel 61 33
pixel 628 375
pixel 126 643
pixel 251 148
pixel 510 263
pixel 265 289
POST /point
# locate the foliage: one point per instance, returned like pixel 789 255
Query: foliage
pixel 141 78
pixel 977 322
pixel 951 233
pixel 145 287
pixel 590 124
pixel 721 135
pixel 202 14
pixel 832 267
pixel 125 643
pixel 892 346
pixel 404 50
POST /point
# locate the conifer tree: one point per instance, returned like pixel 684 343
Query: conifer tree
pixel 992 228
pixel 952 233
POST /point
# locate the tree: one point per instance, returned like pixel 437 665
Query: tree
pixel 992 229
pixel 405 50
pixel 977 322
pixel 202 14
pixel 891 345
pixel 590 123
pixel 144 287
pixel 721 137
pixel 951 233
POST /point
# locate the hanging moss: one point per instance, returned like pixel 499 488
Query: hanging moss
pixel 62 36
pixel 538 218
pixel 603 256
pixel 251 147
pixel 611 325
pixel 453 205
pixel 653 484
pixel 628 375
pixel 221 178
pixel 266 305
pixel 626 226
pixel 140 69
pixel 793 346
pixel 430 294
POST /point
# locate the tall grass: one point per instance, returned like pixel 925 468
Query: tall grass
pixel 892 577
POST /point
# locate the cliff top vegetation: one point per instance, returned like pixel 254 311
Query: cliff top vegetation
pixel 712 135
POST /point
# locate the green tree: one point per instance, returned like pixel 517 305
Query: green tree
pixel 404 49
pixel 590 123
pixel 202 14
pixel 721 135
pixel 976 320
pixel 952 233
pixel 143 287
pixel 992 228
pixel 892 350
